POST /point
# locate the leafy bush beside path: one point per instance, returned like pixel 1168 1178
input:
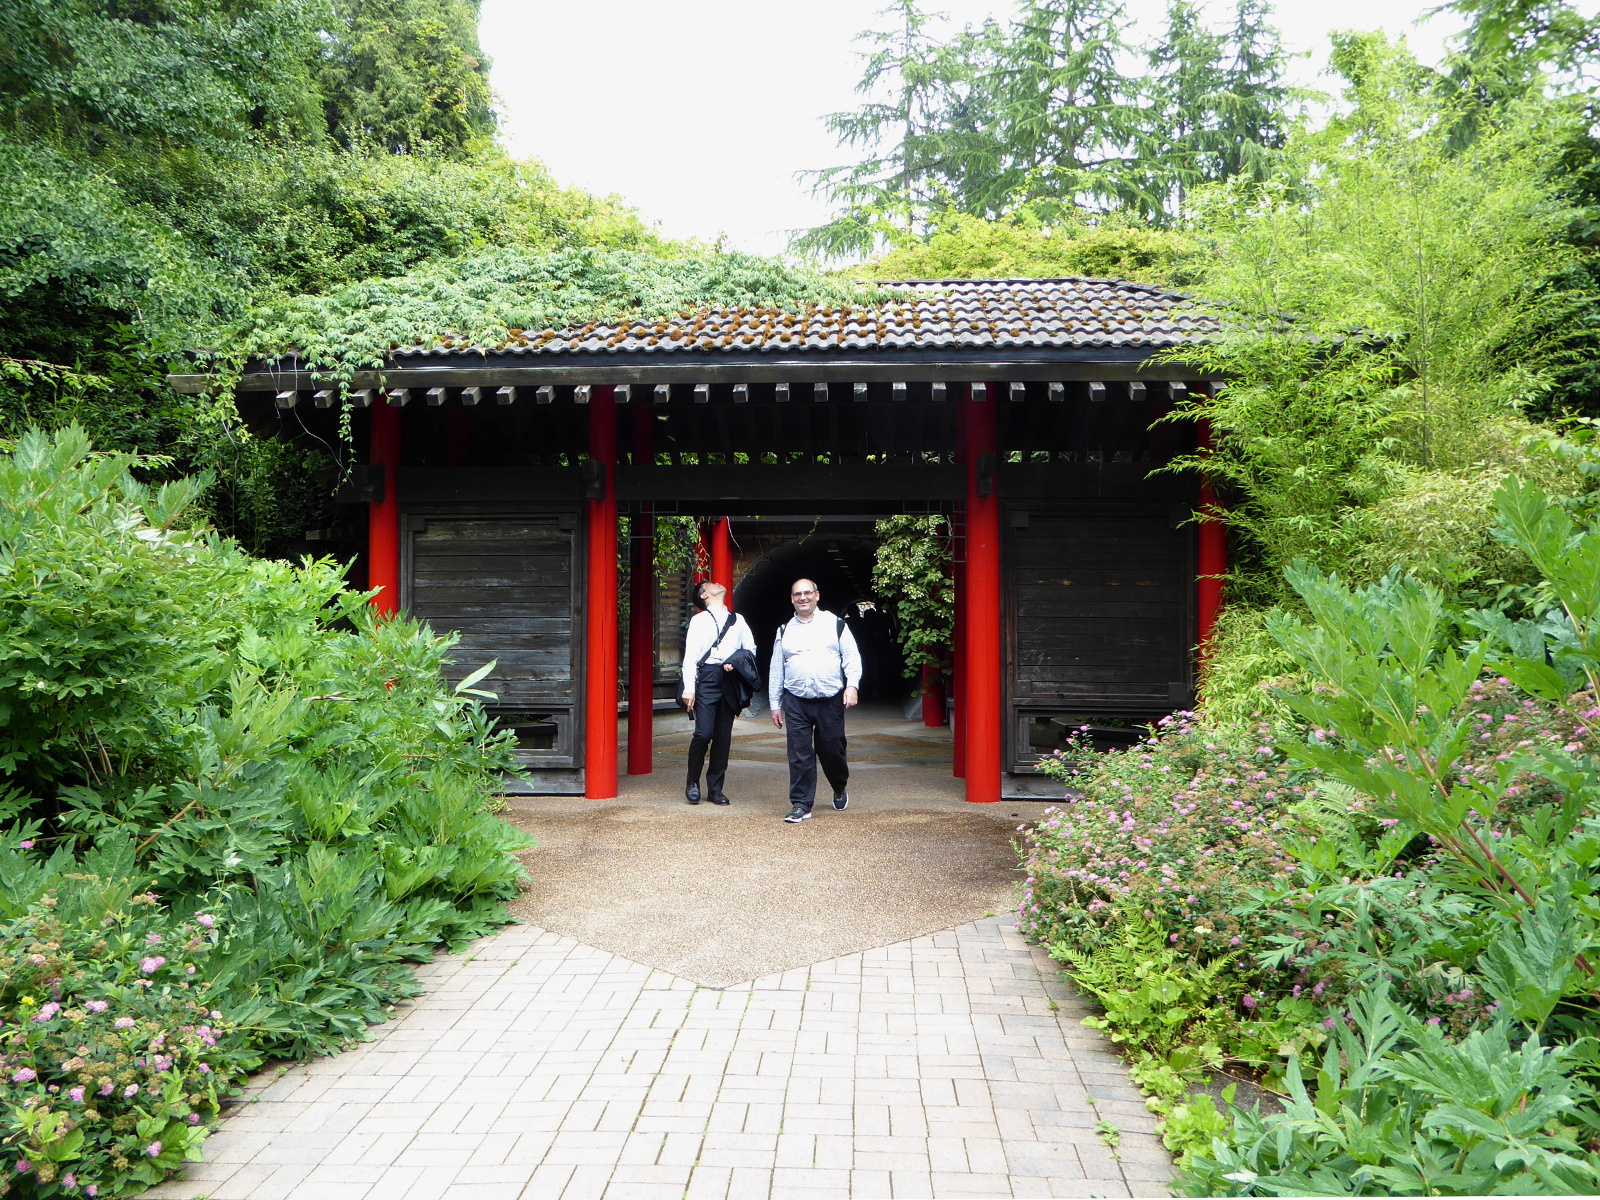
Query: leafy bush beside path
pixel 1391 920
pixel 236 807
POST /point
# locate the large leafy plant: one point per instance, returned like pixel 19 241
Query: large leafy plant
pixel 1485 876
pixel 287 781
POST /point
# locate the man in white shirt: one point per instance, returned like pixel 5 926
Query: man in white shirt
pixel 714 635
pixel 815 672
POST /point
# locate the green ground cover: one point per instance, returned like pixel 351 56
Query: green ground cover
pixel 1382 909
pixel 236 808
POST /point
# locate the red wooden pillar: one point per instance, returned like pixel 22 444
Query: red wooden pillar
pixel 722 556
pixel 1211 553
pixel 981 728
pixel 642 614
pixel 958 647
pixel 600 607
pixel 383 518
pixel 932 697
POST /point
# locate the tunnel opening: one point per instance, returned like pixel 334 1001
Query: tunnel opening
pixel 840 561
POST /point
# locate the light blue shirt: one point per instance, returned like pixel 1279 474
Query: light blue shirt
pixel 813 659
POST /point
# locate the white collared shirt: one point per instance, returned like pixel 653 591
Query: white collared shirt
pixel 813 659
pixel 704 627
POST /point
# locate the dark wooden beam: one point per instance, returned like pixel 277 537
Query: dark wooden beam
pixel 822 485
pixel 704 369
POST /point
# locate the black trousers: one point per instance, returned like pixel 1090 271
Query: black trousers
pixel 713 727
pixel 815 729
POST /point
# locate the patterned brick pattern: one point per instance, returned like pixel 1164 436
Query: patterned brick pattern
pixel 539 1068
pixel 955 314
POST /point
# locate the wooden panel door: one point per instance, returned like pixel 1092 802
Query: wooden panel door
pixel 1101 608
pixel 505 584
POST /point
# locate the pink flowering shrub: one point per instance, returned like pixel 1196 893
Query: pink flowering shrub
pixel 1180 828
pixel 111 1059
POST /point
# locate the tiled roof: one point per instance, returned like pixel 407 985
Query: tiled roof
pixel 975 314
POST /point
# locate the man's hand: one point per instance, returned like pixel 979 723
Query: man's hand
pixel 777 717
pixel 688 701
pixel 851 697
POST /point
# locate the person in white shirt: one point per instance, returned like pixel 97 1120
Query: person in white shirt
pixel 814 677
pixel 714 635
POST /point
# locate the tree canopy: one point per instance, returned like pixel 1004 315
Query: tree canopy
pixel 1049 111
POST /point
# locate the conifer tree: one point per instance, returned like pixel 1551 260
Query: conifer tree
pixel 1068 115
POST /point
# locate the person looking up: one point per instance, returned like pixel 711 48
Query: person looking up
pixel 714 635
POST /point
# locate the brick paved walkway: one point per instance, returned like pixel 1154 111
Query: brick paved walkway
pixel 536 1067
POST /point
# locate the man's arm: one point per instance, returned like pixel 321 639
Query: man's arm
pixel 743 639
pixel 850 658
pixel 694 645
pixel 775 681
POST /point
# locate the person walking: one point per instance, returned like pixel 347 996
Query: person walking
pixel 709 689
pixel 814 677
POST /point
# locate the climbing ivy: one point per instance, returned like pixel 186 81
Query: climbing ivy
pixel 485 299
pixel 912 569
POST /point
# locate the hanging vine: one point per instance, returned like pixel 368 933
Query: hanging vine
pixel 912 570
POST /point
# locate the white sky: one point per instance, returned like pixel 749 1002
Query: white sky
pixel 699 114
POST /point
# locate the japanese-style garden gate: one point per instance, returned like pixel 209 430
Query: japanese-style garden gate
pixel 1027 410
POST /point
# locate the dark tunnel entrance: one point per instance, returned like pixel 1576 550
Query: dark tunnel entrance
pixel 840 561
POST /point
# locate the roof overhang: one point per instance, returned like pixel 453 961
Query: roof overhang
pixel 1110 364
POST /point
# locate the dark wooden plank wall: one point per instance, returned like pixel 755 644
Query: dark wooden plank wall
pixel 505 583
pixel 1101 610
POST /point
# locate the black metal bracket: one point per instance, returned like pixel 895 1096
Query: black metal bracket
pixel 986 469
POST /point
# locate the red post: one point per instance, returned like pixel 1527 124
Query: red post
pixel 383 518
pixel 600 625
pixel 958 648
pixel 981 728
pixel 1211 553
pixel 722 556
pixel 642 615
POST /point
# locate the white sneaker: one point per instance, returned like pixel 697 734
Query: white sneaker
pixel 796 815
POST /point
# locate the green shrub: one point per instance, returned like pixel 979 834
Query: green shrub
pixel 114 1055
pixel 1458 945
pixel 1180 829
pixel 243 739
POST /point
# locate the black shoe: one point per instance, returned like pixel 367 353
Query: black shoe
pixel 692 792
pixel 797 814
pixel 841 800
pixel 718 798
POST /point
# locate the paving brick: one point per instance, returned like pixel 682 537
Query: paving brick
pixel 547 1070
